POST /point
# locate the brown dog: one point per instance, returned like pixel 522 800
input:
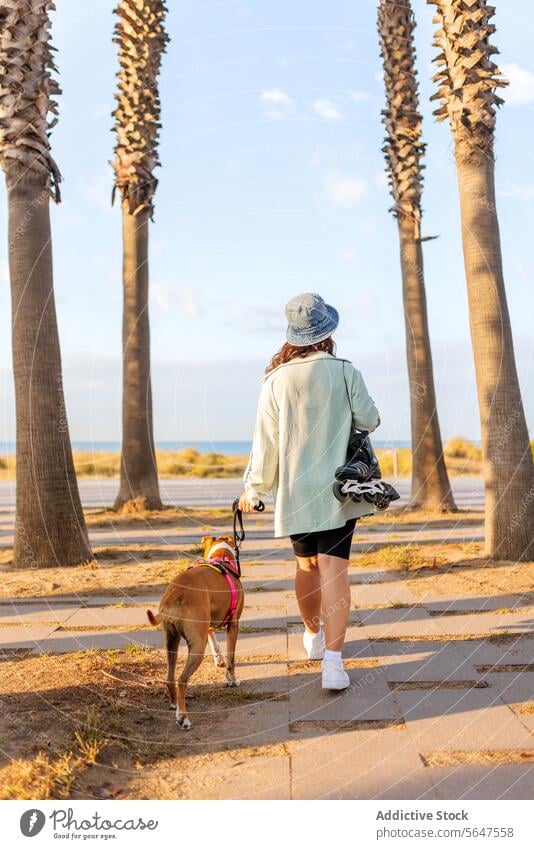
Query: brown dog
pixel 195 603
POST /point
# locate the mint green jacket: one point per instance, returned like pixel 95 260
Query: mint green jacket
pixel 302 430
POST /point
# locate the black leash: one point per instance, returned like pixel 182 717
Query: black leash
pixel 239 530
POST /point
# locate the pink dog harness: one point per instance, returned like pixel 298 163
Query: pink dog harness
pixel 226 567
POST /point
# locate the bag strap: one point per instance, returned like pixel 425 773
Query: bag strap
pixel 348 396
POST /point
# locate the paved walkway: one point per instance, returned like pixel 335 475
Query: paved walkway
pixel 436 703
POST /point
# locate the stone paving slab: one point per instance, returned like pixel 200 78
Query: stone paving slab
pixel 270 599
pixel 487 652
pixel 481 623
pixel 68 600
pixel 367 698
pixel 108 616
pixel 375 575
pixel 481 604
pixel 123 598
pixel 62 642
pixel 359 765
pixel 509 781
pixel 22 637
pixel 28 613
pixel 424 661
pixel 445 720
pixel 271 622
pixel 513 687
pixel 260 644
pixel 268 570
pixel 516 688
pixel 366 595
pixel 264 611
pixel 267 585
pixel 392 622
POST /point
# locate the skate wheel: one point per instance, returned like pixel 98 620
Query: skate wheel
pixel 338 491
pixel 369 498
pixel 356 497
pixel 382 504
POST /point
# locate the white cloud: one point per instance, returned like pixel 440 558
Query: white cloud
pixel 523 193
pixel 159 296
pixel 359 96
pixel 186 300
pixel 276 103
pixel 326 109
pixel 344 191
pixel 521 88
pixel 189 303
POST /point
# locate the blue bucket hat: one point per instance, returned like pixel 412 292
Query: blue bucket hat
pixel 310 320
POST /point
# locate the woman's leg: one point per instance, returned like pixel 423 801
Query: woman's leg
pixel 333 557
pixel 335 592
pixel 307 580
pixel 308 592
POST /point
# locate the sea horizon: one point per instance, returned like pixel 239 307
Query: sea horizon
pixel 232 447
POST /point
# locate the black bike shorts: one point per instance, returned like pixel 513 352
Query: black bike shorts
pixel 336 542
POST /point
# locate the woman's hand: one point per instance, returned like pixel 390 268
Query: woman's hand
pixel 245 505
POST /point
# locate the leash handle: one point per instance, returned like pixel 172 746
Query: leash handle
pixel 238 528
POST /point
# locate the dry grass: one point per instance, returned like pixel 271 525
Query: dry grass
pixel 171 464
pixel 413 557
pixel 461 456
pixel 405 518
pixel 176 517
pixel 490 757
pixel 44 777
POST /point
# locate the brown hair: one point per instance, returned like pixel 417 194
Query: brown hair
pixel 289 352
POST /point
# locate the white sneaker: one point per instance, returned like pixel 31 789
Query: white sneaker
pixel 314 644
pixel 334 676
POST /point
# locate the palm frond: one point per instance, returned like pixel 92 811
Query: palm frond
pixel 27 89
pixel 403 145
pixel 142 39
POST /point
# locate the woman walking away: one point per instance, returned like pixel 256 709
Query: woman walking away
pixel 309 402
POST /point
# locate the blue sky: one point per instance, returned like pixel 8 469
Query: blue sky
pixel 272 184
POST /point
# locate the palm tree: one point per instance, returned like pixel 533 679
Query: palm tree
pixel 50 528
pixel 404 151
pixel 468 81
pixel 141 38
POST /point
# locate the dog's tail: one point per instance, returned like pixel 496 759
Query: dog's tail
pixel 154 620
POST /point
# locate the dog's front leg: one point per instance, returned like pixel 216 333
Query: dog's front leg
pixel 218 658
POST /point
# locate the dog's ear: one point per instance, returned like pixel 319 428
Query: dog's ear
pixel 207 542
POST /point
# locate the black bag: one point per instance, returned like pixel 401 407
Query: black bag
pixel 361 461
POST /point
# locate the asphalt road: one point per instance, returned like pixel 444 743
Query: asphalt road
pixel 214 492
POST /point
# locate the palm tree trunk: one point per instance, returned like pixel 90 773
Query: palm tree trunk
pixel 508 466
pixel 139 488
pixel 430 481
pixel 50 528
